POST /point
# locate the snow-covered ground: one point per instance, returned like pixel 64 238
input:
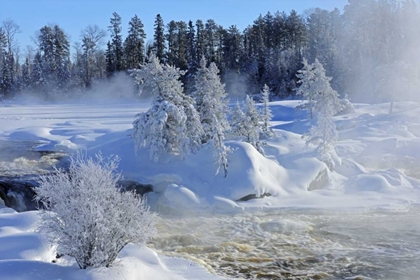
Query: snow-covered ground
pixel 380 169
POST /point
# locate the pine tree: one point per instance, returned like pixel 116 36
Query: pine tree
pixel 296 31
pixel 172 125
pixel 182 61
pixel 211 101
pixel 26 74
pixel 48 62
pixel 116 50
pixel 159 38
pixel 210 39
pixel 38 77
pixel 191 48
pixel 232 49
pixel 109 59
pixel 172 40
pixel 62 59
pixel 200 40
pixel 134 44
pixel 6 82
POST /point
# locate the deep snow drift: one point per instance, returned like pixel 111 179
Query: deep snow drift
pixel 380 169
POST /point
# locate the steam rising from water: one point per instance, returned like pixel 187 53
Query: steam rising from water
pixel 17 158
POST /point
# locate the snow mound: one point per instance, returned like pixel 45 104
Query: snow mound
pixel 25 255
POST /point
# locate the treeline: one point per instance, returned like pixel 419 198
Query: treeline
pixel 362 49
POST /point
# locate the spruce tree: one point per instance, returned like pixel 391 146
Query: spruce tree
pixel 134 49
pixel 172 40
pixel 324 133
pixel 171 125
pixel 182 62
pixel 62 59
pixel 199 40
pixel 211 101
pixel 116 50
pixel 191 48
pixel 159 38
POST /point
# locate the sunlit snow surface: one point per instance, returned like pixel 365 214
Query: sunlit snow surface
pixel 351 222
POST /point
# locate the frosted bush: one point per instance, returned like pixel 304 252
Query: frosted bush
pixel 87 216
pixel 346 107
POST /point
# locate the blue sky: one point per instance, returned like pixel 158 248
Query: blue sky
pixel 74 15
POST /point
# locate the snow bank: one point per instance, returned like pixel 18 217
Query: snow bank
pixel 379 168
pixel 373 147
pixel 24 254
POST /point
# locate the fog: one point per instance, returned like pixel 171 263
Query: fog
pixel 378 54
pixel 119 88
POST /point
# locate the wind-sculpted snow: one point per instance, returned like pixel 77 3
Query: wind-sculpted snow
pixel 371 144
pixel 378 169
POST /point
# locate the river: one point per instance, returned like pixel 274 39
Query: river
pixel 298 244
pixel 274 244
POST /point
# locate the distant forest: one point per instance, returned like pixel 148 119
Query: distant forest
pixel 371 51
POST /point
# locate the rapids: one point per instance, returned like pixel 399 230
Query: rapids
pixel 298 244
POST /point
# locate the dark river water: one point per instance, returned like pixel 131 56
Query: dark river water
pixel 303 244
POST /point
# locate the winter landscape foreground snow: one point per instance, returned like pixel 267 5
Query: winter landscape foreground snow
pixel 378 170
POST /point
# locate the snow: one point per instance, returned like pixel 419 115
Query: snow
pixel 25 254
pixel 380 169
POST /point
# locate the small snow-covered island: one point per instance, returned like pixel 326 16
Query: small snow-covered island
pixel 286 147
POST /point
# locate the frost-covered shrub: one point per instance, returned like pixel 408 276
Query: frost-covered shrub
pixel 87 216
pixel 346 107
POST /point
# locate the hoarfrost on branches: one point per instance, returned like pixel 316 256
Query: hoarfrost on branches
pixel 210 97
pixel 87 216
pixel 324 133
pixel 247 123
pixel 306 88
pixel 266 114
pixel 172 124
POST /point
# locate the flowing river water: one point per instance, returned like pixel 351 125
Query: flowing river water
pixel 274 244
pixel 298 244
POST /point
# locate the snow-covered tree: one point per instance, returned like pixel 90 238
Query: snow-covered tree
pixel 324 133
pixel 211 102
pixel 306 89
pixel 247 123
pixel 266 114
pixel 171 125
pixel 210 97
pixel 87 216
